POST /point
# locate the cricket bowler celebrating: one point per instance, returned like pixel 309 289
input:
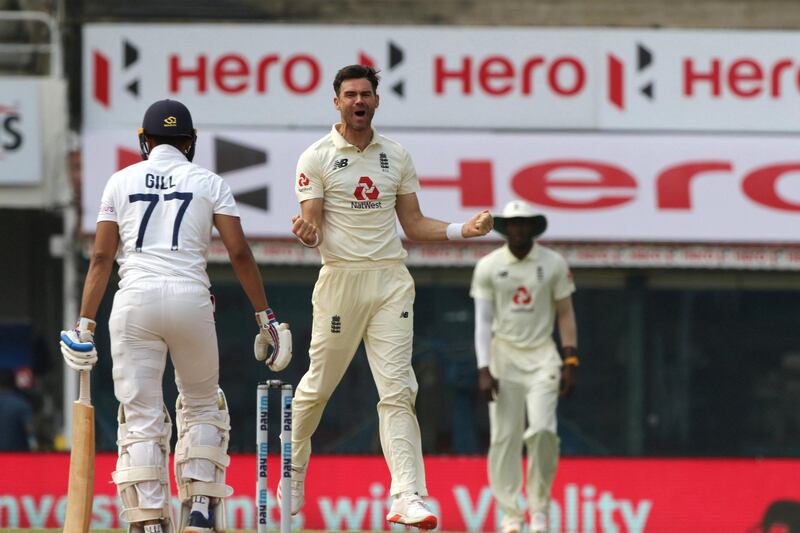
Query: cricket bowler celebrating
pixel 156 217
pixel 519 290
pixel 352 185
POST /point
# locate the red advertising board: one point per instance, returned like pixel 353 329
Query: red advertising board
pixel 350 493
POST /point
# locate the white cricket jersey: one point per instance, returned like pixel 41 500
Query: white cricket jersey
pixel 359 189
pixel 165 209
pixel 523 293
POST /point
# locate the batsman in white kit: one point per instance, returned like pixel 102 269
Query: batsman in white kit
pixel 519 290
pixel 156 217
pixel 353 185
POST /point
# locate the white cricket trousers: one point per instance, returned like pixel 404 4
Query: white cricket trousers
pixel 372 301
pixel 524 394
pixel 148 320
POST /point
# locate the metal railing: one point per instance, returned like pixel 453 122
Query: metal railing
pixel 53 47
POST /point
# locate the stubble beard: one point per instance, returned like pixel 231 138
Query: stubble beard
pixel 358 126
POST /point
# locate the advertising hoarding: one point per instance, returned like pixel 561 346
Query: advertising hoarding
pixel 20 126
pixel 593 187
pixel 589 495
pixel 453 77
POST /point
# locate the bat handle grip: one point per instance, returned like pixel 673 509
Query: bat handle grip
pixel 84 394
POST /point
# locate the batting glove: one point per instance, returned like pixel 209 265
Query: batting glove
pixel 77 345
pixel 273 344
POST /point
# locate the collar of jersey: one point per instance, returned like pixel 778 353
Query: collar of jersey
pixel 165 151
pixel 340 142
pixel 511 258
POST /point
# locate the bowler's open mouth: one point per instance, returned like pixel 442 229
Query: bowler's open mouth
pixel 361 113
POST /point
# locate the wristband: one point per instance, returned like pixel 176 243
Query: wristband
pixel 313 245
pixel 86 324
pixel 570 356
pixel 267 316
pixel 454 232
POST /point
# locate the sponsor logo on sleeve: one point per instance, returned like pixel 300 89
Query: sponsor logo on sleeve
pixel 303 183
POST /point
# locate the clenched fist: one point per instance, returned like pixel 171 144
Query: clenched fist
pixel 478 226
pixel 306 231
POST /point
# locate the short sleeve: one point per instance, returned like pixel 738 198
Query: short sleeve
pixel 308 178
pixel 224 203
pixel 481 287
pixel 109 210
pixel 409 182
pixel 564 285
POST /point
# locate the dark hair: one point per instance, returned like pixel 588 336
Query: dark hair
pixel 355 72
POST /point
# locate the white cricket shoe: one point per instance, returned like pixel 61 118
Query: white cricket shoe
pixel 510 525
pixel 298 489
pixel 410 510
pixel 539 523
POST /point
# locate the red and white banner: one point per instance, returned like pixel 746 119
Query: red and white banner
pixel 447 77
pixel 351 493
pixel 592 187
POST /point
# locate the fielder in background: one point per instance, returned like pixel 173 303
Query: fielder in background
pixel 353 185
pixel 156 217
pixel 519 291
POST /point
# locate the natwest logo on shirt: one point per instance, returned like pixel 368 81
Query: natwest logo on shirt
pixel 303 180
pixel 366 193
pixel 366 190
pixel 522 296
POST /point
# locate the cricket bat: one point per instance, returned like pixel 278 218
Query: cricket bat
pixel 80 492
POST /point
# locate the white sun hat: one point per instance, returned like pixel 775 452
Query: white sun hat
pixel 520 209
